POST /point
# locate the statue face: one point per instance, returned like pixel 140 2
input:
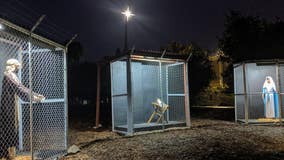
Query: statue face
pixel 268 80
pixel 13 65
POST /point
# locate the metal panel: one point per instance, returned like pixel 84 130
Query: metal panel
pixel 120 107
pixel 146 89
pixel 256 76
pixel 240 106
pixel 119 78
pixel 238 80
pixel 176 92
pixel 119 93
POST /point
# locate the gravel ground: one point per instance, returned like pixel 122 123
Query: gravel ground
pixel 206 139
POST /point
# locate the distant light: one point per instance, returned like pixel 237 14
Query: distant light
pixel 1 27
pixel 127 13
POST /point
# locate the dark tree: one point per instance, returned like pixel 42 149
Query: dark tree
pixel 251 37
pixel 75 52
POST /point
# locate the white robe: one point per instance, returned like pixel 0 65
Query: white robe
pixel 269 105
pixel 269 90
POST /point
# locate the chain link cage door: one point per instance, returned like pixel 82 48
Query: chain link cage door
pixel 29 126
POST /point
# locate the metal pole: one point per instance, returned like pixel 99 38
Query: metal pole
pixel 235 91
pixel 245 94
pixel 161 90
pixel 164 52
pixel 125 36
pixel 30 83
pixel 20 107
pixel 167 91
pixel 278 92
pixel 66 89
pixel 129 98
pixel 160 79
pixel 98 95
pixel 71 40
pixel 186 97
pixel 111 86
pixel 65 97
pixel 31 100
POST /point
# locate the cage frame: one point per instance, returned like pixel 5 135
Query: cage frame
pixel 159 57
pixel 57 47
pixel 272 62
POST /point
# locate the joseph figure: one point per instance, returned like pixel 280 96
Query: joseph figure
pixel 12 90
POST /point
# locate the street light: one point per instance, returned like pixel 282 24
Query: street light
pixel 128 14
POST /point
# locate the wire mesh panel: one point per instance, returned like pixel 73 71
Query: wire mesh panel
pixel 239 92
pixel 33 111
pixel 176 94
pixel 48 116
pixel 240 107
pixel 145 89
pixel 119 95
pixel 239 80
pixel 256 74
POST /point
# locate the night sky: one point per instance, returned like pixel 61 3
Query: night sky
pixel 100 24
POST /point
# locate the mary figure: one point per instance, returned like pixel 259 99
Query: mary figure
pixel 270 98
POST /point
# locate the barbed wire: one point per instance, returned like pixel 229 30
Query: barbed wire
pixel 48 20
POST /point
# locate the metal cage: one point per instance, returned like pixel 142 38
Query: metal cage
pixel 137 81
pixel 254 103
pixel 32 125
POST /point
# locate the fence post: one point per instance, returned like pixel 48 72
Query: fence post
pixel 187 99
pixel 245 94
pixel 235 95
pixel 278 91
pixel 31 101
pixel 98 95
pixel 30 82
pixel 66 118
pixel 129 97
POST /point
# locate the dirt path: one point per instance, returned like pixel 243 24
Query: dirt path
pixel 207 139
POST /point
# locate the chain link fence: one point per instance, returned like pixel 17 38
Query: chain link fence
pixel 33 109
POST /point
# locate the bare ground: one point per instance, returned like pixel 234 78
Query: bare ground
pixel 206 139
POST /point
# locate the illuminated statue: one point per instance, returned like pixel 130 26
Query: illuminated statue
pixel 12 90
pixel 270 98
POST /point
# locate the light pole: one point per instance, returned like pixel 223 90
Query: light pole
pixel 128 14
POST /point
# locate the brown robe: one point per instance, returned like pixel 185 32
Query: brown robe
pixel 8 112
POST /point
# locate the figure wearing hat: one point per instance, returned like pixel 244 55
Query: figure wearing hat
pixel 12 89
